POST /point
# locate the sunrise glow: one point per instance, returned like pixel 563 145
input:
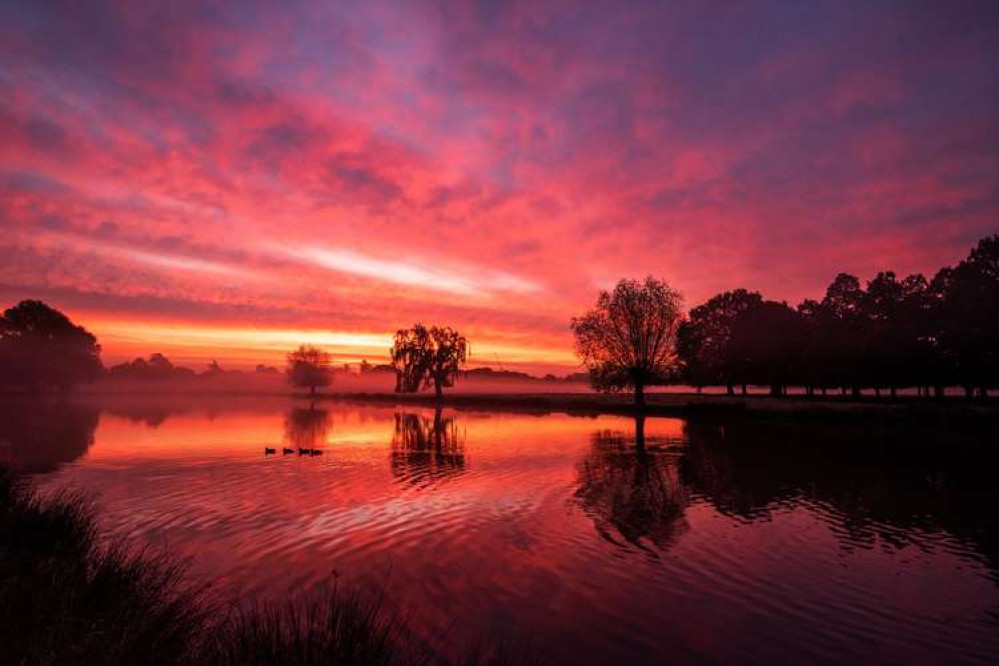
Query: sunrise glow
pixel 229 183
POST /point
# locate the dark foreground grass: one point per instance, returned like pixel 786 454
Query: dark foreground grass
pixel 69 597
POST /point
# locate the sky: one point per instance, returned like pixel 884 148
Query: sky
pixel 228 180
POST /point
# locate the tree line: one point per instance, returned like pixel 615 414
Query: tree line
pixel 884 335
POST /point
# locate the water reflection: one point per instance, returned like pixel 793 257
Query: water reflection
pixel 606 539
pixel 426 449
pixel 630 486
pixel 38 436
pixel 876 486
pixel 306 428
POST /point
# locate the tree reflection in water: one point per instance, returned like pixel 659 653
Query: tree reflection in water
pixel 885 486
pixel 38 436
pixel 631 488
pixel 306 428
pixel 426 450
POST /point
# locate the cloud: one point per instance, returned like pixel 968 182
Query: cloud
pixel 484 165
pixel 471 282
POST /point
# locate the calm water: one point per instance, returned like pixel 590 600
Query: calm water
pixel 748 542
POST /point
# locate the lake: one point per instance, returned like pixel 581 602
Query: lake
pixel 746 540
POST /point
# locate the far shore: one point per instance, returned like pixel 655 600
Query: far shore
pixel 690 404
pixel 951 408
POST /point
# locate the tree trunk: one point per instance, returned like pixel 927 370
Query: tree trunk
pixel 824 391
pixel 893 391
pixel 640 396
pixel 438 391
pixel 775 390
pixel 877 392
pixel 854 392
pixel 938 392
pixel 312 390
pixel 810 391
pixel 743 389
pixel 969 392
pixel 729 389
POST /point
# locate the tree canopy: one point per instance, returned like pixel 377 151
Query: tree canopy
pixel 425 357
pixel 629 338
pixel 40 348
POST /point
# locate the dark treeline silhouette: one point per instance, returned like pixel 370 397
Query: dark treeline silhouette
pixel 888 334
pixel 156 367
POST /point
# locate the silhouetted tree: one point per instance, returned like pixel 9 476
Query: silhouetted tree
pixel 40 348
pixel 766 346
pixel 309 367
pixel 629 339
pixel 703 340
pixel 425 357
pixel 969 310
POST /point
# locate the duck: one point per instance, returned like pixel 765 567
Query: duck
pixel 269 451
pixel 285 451
pixel 316 452
pixel 303 452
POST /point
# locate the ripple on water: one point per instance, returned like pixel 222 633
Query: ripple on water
pixel 555 527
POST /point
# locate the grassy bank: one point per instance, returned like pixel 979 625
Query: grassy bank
pixel 67 596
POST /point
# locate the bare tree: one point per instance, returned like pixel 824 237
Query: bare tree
pixel 629 338
pixel 425 357
pixel 310 367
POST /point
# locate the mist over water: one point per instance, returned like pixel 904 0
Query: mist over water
pixel 707 541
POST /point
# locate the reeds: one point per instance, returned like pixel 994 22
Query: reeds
pixel 69 597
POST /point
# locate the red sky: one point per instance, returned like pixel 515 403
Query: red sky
pixel 228 182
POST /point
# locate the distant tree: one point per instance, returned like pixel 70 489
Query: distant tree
pixel 157 367
pixel 629 339
pixel 425 357
pixel 704 339
pixel 40 348
pixel 309 367
pixel 262 369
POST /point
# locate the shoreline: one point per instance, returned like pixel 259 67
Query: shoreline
pixel 668 405
pixel 683 405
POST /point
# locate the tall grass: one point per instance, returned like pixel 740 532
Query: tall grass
pixel 69 597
